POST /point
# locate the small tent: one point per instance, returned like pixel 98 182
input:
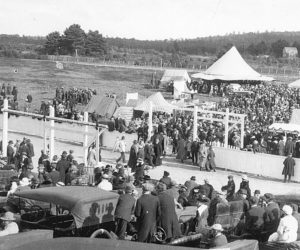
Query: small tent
pixel 104 106
pixel 175 75
pixel 159 104
pixel 231 67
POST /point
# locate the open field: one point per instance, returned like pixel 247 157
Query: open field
pixel 40 79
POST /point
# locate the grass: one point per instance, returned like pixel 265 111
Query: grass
pixel 41 78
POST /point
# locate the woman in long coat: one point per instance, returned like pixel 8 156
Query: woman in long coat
pixel 288 169
pixel 168 219
pixel 158 152
pixel 133 156
pixel 210 164
pixel 181 150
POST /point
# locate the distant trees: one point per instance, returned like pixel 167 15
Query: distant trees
pixel 277 47
pixel 75 39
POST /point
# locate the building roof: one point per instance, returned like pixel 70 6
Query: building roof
pixel 231 67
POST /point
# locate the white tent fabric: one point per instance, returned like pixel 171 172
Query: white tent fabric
pixel 295 119
pixel 295 84
pixel 286 127
pixel 231 67
pixel 159 104
pixel 175 75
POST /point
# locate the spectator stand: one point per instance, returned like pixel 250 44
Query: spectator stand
pixel 49 125
pixel 224 117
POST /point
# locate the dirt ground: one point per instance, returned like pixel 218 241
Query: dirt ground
pixel 178 171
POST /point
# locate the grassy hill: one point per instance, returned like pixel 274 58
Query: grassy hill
pixel 41 78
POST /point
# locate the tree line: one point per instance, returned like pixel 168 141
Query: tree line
pixel 75 39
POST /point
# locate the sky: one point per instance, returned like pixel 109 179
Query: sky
pixel 149 19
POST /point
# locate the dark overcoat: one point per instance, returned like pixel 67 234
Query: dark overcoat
pixel 147 212
pixel 132 157
pixel 62 167
pixel 288 168
pixel 168 219
pixel 272 217
pixel 125 207
pixel 254 223
pixel 181 150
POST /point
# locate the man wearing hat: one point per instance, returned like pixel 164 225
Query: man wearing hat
pixel 124 212
pixel 147 212
pixel 139 172
pixel 190 184
pixel 10 153
pixel 63 166
pixel 166 179
pixel 10 226
pixel 219 239
pixel 272 217
pixel 254 223
pixel 168 218
pixel 230 188
pixel 245 185
pixel 288 170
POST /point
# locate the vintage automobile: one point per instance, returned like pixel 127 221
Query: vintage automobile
pixel 68 211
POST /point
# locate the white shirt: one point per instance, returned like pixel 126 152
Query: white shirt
pixel 11 228
pixel 105 185
pixel 288 228
pixel 122 146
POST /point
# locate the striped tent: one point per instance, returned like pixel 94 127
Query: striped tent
pixel 159 104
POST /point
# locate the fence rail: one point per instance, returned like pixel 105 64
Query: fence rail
pixel 284 72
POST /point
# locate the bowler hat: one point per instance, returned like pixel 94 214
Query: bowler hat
pixel 166 173
pixel 8 216
pixel 243 191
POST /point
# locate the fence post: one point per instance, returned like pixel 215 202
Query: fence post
pixel 97 146
pixel 52 147
pixel 195 128
pixel 226 123
pixel 242 131
pixel 150 127
pixel 45 137
pixel 5 129
pixel 85 141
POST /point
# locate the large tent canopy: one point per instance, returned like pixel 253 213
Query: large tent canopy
pixel 159 104
pixel 295 84
pixel 231 67
pixel 292 127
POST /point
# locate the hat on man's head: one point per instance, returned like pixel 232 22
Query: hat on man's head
pixel 8 216
pixel 257 191
pixel 64 153
pixel 288 210
pixel 269 196
pixel 147 178
pixel 253 200
pixel 193 178
pixel 105 176
pixel 244 177
pixel 148 187
pixel 166 173
pixel 24 182
pixel 10 142
pixel 217 227
pixel 230 177
pixel 243 191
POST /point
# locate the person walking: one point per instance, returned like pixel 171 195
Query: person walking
pixel 122 148
pixel 202 155
pixel 210 164
pixel 288 169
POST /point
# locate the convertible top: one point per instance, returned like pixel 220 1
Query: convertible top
pixel 79 200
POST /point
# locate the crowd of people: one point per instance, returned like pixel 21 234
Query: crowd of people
pixel 150 203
